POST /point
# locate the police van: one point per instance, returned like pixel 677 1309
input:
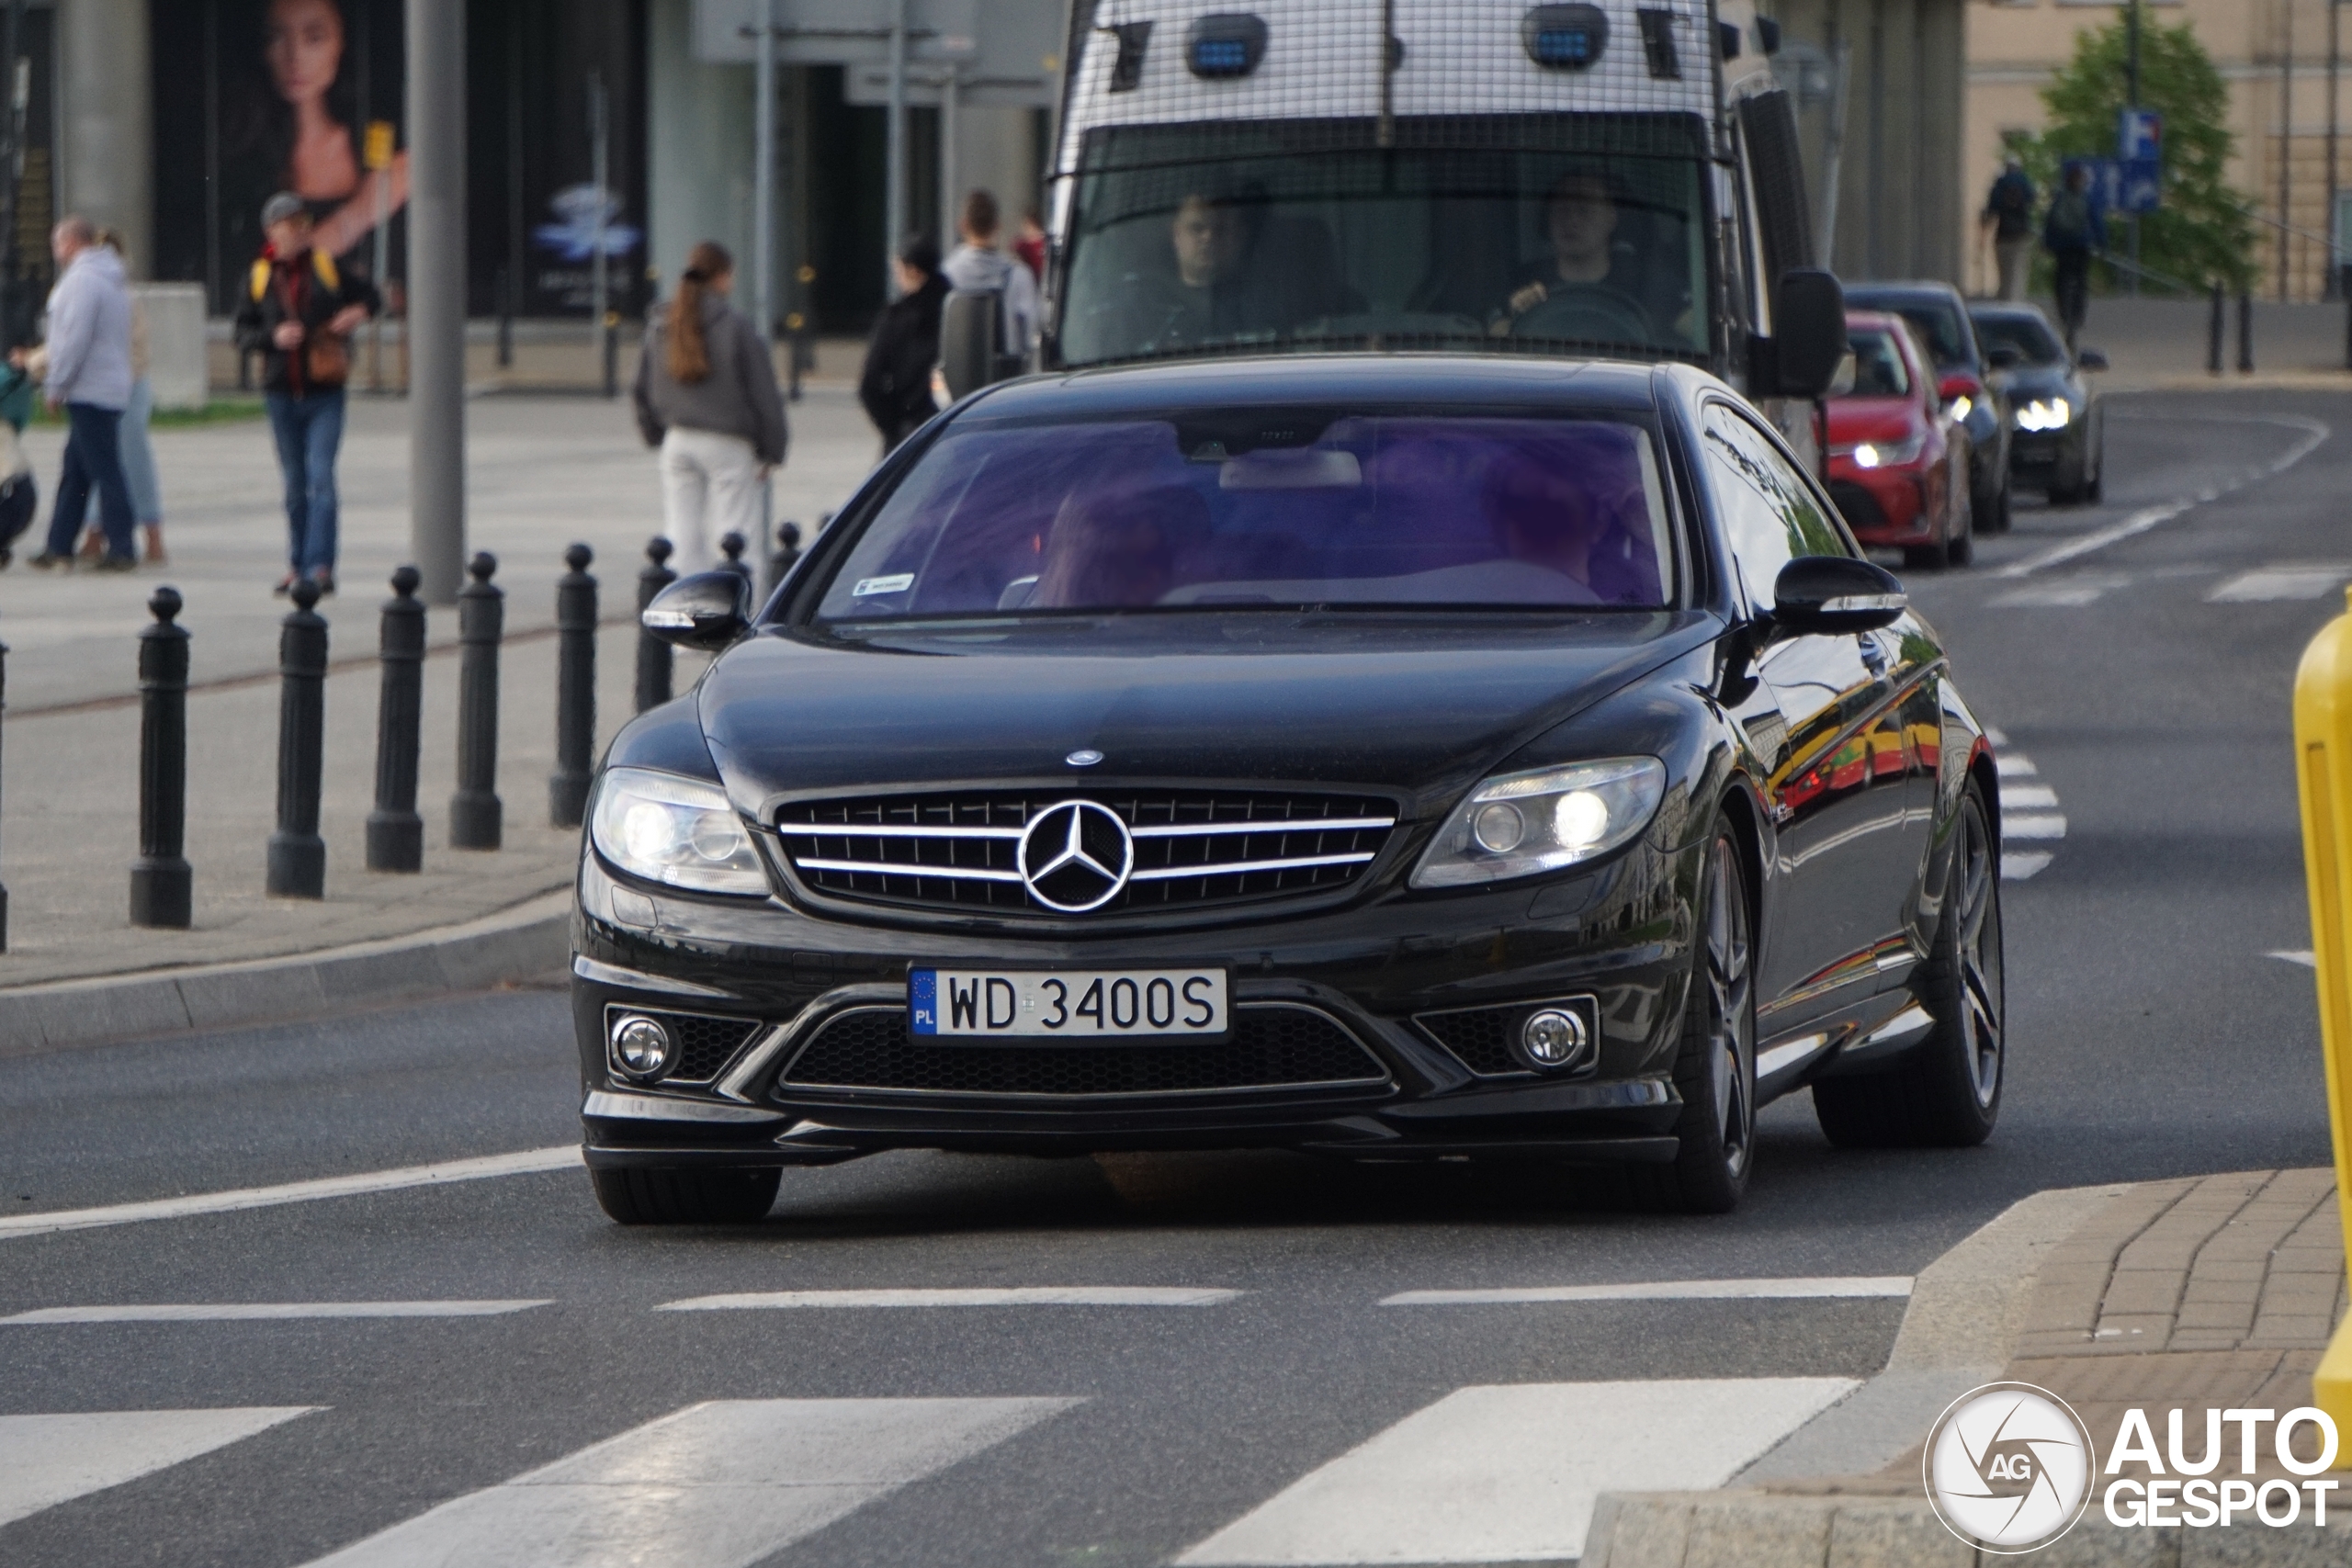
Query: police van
pixel 1616 179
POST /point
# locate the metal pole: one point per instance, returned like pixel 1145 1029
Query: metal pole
pixel 297 856
pixel 1832 149
pixel 2132 96
pixel 893 220
pixel 435 336
pixel 2286 148
pixel 951 88
pixel 763 174
pixel 2335 237
pixel 395 832
pixel 511 300
pixel 162 886
pixel 599 163
pixel 575 690
pixel 383 252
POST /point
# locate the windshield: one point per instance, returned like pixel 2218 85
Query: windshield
pixel 1576 233
pixel 1943 332
pixel 1266 508
pixel 1878 369
pixel 2029 336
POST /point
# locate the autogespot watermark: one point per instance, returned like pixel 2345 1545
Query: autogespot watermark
pixel 2009 1468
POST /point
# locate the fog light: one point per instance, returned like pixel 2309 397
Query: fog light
pixel 1553 1039
pixel 643 1047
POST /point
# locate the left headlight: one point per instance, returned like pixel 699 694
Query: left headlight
pixel 672 829
pixel 1519 823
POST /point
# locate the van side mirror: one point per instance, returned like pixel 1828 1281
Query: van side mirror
pixel 968 346
pixel 1808 333
pixel 706 610
pixel 2090 359
pixel 1832 594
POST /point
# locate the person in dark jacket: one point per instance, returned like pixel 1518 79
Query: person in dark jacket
pixel 896 385
pixel 2071 231
pixel 297 311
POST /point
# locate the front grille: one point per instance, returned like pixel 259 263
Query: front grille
pixel 1192 849
pixel 1860 507
pixel 705 1044
pixel 1270 1047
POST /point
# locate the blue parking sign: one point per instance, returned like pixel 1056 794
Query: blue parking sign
pixel 2139 136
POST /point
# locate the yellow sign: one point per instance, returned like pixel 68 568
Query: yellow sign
pixel 378 152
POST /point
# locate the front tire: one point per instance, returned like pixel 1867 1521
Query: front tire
pixel 1714 1071
pixel 1946 1093
pixel 686 1196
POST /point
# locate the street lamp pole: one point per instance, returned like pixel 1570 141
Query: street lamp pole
pixel 2334 238
pixel 436 294
pixel 895 183
pixel 763 174
pixel 2131 98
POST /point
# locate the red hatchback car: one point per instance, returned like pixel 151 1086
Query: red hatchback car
pixel 1898 458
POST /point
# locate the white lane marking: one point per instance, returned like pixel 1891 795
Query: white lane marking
pixel 2315 434
pixel 1794 1288
pixel 2018 865
pixel 1021 1295
pixel 1995 736
pixel 242 1312
pixel 525 1162
pixel 2308 960
pixel 1509 1475
pixel 2015 765
pixel 2027 797
pixel 2266 583
pixel 2067 594
pixel 715 1485
pixel 2044 826
pixel 49 1459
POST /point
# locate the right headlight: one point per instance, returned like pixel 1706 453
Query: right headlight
pixel 1520 824
pixel 678 830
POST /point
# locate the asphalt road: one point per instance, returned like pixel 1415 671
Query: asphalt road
pixel 2145 682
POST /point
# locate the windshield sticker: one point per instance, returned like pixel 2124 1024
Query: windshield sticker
pixel 897 583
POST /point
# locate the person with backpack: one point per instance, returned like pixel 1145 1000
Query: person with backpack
pixel 706 396
pixel 978 266
pixel 2070 233
pixel 895 386
pixel 298 312
pixel 2008 220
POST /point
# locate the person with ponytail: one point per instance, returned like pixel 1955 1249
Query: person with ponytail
pixel 706 396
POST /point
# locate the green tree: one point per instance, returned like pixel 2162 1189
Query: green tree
pixel 2202 232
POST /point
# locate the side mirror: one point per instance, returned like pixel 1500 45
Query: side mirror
pixel 970 357
pixel 2090 359
pixel 1832 594
pixel 1808 333
pixel 2003 357
pixel 706 610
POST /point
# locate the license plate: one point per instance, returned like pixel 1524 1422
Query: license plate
pixel 1082 1004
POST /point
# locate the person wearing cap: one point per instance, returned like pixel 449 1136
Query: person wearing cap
pixel 89 377
pixel 298 312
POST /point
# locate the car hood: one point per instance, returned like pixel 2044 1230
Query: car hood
pixel 2039 381
pixel 1871 419
pixel 1418 706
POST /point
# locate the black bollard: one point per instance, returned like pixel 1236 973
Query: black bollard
pixel 161 886
pixel 2245 332
pixel 395 832
pixel 575 690
pixel 788 551
pixel 2217 331
pixel 481 614
pixel 653 655
pixel 3 708
pixel 732 544
pixel 297 856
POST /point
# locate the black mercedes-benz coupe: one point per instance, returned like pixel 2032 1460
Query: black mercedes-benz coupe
pixel 1387 757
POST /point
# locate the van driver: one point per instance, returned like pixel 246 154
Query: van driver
pixel 1588 289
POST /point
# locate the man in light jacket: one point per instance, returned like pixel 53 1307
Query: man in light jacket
pixel 977 265
pixel 89 376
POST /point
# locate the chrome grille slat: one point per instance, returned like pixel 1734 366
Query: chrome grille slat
pixel 1193 848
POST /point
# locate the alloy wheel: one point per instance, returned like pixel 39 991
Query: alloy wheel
pixel 1980 957
pixel 1731 1017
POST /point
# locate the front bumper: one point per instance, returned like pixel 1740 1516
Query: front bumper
pixel 1882 506
pixel 777 983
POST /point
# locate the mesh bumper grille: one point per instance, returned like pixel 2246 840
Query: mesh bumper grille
pixel 705 1044
pixel 1271 1047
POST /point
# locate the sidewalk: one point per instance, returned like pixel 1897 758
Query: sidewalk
pixel 2216 1293
pixel 543 470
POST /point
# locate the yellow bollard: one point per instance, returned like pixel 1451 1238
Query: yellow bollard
pixel 2324 780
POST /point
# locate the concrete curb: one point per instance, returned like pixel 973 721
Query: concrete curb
pixel 528 942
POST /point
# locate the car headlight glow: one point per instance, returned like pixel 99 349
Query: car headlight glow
pixel 678 830
pixel 1888 454
pixel 1522 823
pixel 1961 407
pixel 2045 414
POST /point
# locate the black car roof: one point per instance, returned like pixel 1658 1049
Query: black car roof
pixel 2022 309
pixel 1458 379
pixel 1941 293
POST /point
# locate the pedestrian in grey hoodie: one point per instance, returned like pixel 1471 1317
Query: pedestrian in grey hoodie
pixel 90 377
pixel 977 266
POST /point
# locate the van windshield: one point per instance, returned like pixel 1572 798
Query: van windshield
pixel 1578 234
pixel 1240 509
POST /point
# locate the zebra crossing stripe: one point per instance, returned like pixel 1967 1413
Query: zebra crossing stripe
pixel 721 1484
pixel 49 1459
pixel 1509 1473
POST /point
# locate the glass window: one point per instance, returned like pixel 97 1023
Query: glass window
pixel 2029 336
pixel 1770 514
pixel 1878 367
pixel 1944 332
pixel 1266 507
pixel 1583 231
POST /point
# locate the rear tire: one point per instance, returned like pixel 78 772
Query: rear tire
pixel 1946 1094
pixel 1961 550
pixel 1923 557
pixel 1714 1070
pixel 686 1196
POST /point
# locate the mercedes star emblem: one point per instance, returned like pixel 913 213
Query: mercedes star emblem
pixel 1075 855
pixel 1085 757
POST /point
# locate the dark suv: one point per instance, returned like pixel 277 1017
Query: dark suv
pixel 1963 370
